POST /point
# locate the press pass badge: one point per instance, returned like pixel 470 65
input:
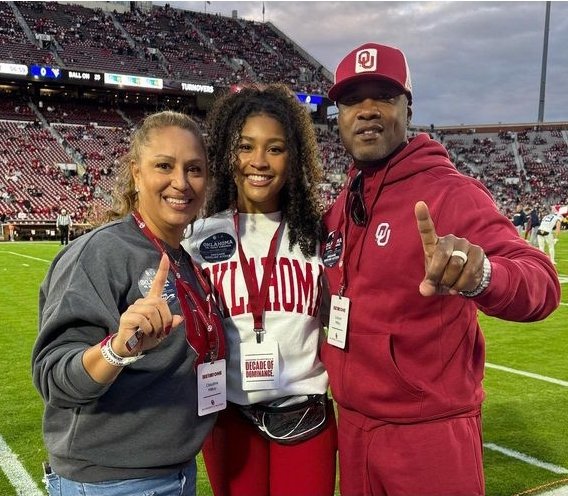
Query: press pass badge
pixel 211 387
pixel 338 318
pixel 260 365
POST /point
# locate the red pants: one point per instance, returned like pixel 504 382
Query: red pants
pixel 240 462
pixel 437 458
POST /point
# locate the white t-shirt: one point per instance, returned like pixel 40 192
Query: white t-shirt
pixel 291 316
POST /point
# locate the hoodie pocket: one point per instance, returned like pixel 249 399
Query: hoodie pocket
pixel 373 383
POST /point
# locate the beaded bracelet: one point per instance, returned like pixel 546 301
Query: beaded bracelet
pixel 111 357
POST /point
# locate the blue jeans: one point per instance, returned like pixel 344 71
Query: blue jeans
pixel 180 483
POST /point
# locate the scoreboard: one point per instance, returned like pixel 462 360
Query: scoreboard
pixel 55 75
pixel 52 75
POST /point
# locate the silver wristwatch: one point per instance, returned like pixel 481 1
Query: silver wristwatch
pixel 485 280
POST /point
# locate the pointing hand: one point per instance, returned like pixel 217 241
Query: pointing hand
pixel 451 264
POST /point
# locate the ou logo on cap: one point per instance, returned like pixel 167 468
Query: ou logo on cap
pixel 366 60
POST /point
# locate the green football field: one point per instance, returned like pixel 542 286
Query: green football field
pixel 525 413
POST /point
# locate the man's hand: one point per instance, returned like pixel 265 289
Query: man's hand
pixel 451 264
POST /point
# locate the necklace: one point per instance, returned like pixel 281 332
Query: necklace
pixel 179 252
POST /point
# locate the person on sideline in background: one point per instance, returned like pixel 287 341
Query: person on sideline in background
pixel 119 341
pixel 260 246
pixel 414 249
pixel 63 224
pixel 549 232
pixel 11 231
pixel 519 219
pixel 532 226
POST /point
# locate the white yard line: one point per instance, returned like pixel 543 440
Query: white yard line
pixel 526 458
pixel 521 456
pixel 25 256
pixel 539 377
pixel 16 473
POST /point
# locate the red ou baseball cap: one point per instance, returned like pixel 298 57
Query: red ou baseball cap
pixel 369 62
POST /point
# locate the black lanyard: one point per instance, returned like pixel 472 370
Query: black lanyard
pixel 345 225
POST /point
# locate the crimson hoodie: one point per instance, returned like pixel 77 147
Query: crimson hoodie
pixel 410 358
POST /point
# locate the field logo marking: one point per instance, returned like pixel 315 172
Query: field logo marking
pixel 539 377
pixel 16 473
pixel 526 458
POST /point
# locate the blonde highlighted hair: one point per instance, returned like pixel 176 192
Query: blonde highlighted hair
pixel 125 198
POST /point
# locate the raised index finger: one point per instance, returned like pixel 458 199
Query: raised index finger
pixel 161 277
pixel 426 227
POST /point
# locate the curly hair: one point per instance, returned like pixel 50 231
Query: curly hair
pixel 299 199
pixel 125 197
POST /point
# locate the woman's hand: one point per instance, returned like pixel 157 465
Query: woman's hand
pixel 149 318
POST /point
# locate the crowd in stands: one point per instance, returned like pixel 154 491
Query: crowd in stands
pixel 188 53
pixel 87 38
pixel 35 178
pixel 159 42
pixel 65 153
pixel 528 167
pixel 15 47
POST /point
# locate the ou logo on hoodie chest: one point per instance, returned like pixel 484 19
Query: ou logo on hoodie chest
pixel 382 234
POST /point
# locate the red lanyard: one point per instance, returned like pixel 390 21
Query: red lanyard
pixel 209 345
pixel 258 296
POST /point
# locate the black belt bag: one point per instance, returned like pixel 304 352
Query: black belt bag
pixel 288 420
pixel 543 233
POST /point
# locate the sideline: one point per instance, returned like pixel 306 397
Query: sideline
pixel 16 473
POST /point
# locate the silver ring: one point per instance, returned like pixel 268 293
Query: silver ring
pixel 460 254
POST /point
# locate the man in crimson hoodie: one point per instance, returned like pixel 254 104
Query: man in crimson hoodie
pixel 413 250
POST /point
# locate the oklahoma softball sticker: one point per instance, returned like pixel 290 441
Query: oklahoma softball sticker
pixel 145 282
pixel 217 248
